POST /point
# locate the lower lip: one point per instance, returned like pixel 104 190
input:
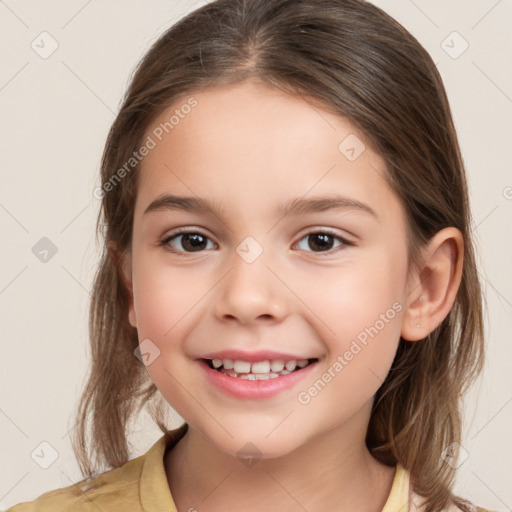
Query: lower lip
pixel 254 389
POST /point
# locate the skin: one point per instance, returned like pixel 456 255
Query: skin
pixel 251 148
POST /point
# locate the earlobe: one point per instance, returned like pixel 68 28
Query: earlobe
pixel 432 290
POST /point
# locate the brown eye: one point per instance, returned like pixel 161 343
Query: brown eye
pixel 186 241
pixel 322 241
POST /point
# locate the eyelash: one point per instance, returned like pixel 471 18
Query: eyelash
pixel 166 240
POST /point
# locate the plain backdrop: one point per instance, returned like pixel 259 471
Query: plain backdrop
pixel 55 112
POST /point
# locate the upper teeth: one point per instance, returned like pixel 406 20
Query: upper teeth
pixel 275 365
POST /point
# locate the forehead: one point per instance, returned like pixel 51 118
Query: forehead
pixel 248 145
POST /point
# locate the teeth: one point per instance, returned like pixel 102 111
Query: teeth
pixel 290 365
pixel 259 370
pixel 228 364
pixel 277 365
pixel 242 366
pixel 260 367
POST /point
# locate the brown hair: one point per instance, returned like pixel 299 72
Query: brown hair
pixel 356 61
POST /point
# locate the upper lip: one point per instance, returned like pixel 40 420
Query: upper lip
pixel 253 356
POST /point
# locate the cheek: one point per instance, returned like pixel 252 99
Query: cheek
pixel 347 300
pixel 358 313
pixel 165 299
pixel 163 296
pixel 360 327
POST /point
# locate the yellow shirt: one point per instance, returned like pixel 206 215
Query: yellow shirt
pixel 141 485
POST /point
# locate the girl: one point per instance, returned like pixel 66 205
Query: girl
pixel 288 264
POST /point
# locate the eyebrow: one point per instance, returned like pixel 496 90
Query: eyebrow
pixel 297 206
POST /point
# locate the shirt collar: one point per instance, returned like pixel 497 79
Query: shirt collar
pixel 155 495
pixel 399 498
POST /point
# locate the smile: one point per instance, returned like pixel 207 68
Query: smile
pixel 257 370
pixel 254 380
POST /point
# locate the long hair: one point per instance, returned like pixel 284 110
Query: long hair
pixel 356 61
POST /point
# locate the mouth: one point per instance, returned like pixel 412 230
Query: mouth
pixel 258 370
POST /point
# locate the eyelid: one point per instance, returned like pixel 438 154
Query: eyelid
pixel 328 231
pixel 345 242
pixel 164 241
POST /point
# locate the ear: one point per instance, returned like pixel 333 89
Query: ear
pixel 432 289
pixel 123 261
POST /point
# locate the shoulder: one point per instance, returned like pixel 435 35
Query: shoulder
pixel 136 486
pixel 117 489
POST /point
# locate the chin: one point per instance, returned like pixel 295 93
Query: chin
pixel 254 442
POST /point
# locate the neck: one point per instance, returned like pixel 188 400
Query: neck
pixel 204 478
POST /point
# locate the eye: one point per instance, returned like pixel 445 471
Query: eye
pixel 191 241
pixel 323 241
pixel 195 241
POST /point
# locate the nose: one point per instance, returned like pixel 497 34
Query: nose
pixel 250 292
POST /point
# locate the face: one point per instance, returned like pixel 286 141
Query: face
pixel 255 281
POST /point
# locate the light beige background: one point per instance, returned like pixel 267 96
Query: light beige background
pixel 55 113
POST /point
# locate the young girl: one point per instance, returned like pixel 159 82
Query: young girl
pixel 288 264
